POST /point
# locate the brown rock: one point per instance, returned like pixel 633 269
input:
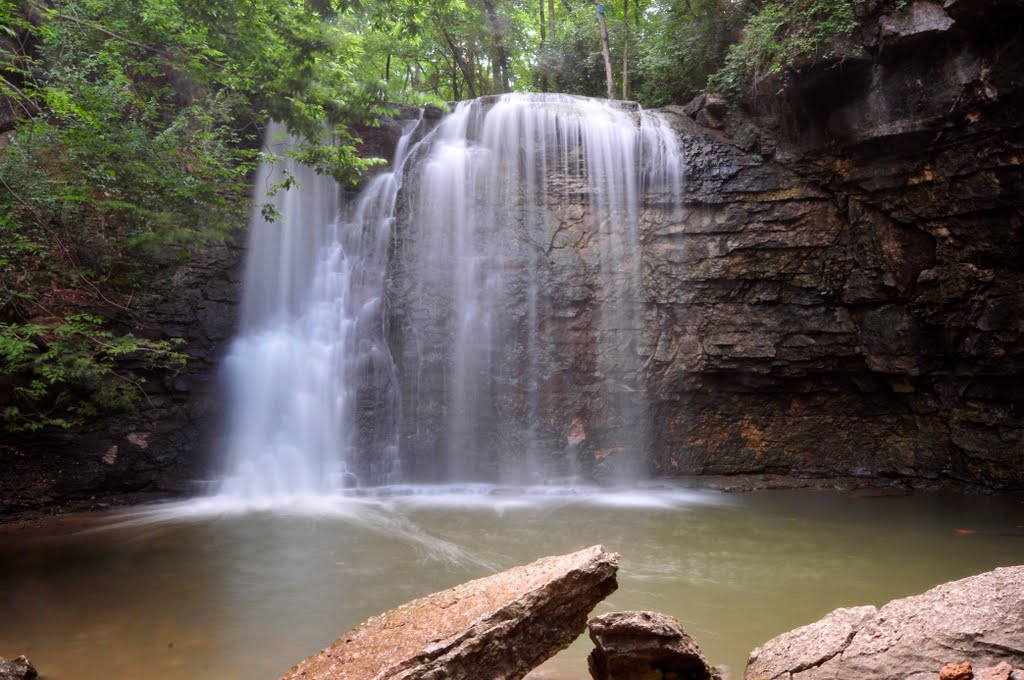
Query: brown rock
pixel 957 671
pixel 501 626
pixel 1003 671
pixel 17 669
pixel 644 646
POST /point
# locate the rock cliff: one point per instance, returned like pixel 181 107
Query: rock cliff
pixel 841 293
pixel 845 295
pixel 162 446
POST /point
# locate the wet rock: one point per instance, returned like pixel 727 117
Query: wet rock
pixel 980 618
pixel 956 671
pixel 501 626
pixel 17 669
pixel 122 454
pixel 640 645
pixel 850 304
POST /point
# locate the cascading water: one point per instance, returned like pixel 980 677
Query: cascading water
pixel 507 286
pixel 311 349
pixel 513 206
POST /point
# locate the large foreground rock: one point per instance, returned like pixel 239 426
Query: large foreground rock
pixel 501 626
pixel 979 619
pixel 644 646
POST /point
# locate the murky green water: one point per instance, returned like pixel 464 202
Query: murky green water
pixel 199 590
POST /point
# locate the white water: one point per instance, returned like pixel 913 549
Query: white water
pixel 312 337
pixel 316 399
pixel 489 200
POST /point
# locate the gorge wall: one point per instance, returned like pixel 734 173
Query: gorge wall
pixel 162 447
pixel 845 294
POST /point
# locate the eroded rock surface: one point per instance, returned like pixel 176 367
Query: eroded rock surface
pixel 980 618
pixel 497 627
pixel 844 290
pixel 17 669
pixel 840 294
pixel 640 645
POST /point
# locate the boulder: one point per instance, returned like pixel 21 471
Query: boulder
pixel 980 618
pixel 644 646
pixel 501 626
pixel 17 669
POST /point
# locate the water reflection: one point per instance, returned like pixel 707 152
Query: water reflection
pixel 188 590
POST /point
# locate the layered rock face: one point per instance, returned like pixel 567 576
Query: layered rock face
pixel 845 295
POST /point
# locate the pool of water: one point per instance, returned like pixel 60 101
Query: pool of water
pixel 219 589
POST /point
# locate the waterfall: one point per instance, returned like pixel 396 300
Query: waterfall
pixel 474 315
pixel 511 206
pixel 311 350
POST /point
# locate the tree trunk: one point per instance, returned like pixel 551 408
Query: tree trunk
pixel 608 74
pixel 625 49
pixel 501 84
pixel 543 27
pixel 466 73
pixel 543 42
pixel 551 20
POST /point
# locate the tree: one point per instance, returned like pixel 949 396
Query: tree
pixel 605 51
pixel 625 49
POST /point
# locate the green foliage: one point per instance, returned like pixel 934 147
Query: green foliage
pixel 574 63
pixel 61 375
pixel 777 35
pixel 134 131
pixel 685 42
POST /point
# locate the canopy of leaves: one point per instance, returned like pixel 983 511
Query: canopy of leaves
pixel 131 127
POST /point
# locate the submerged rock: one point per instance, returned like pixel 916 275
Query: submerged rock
pixel 644 646
pixel 501 626
pixel 980 618
pixel 17 669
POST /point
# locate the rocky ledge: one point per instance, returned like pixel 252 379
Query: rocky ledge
pixel 979 619
pixel 501 626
